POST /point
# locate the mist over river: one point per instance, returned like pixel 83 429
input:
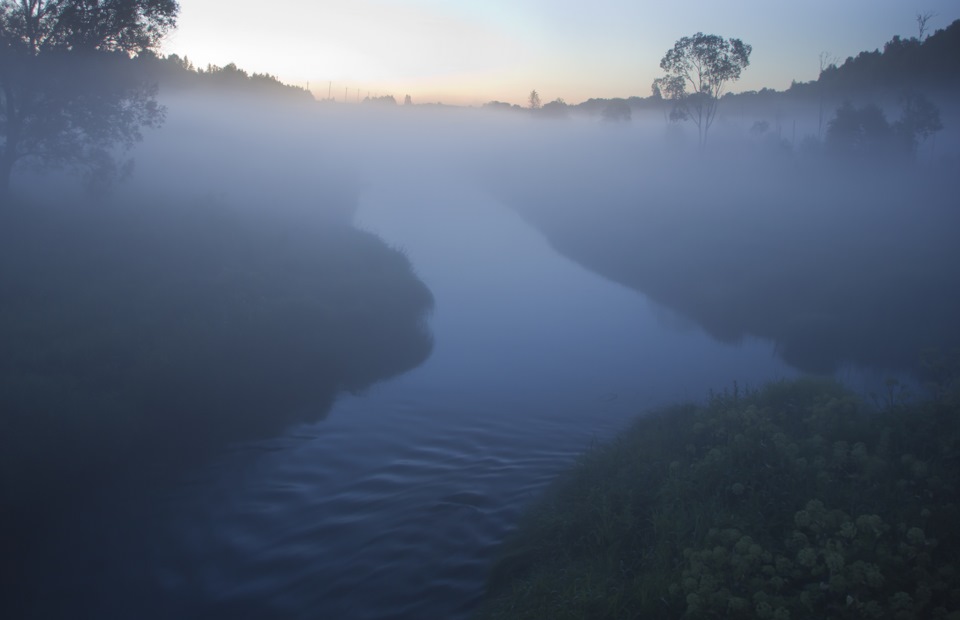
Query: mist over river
pixel 267 355
pixel 394 504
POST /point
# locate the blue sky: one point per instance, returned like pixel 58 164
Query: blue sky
pixel 472 51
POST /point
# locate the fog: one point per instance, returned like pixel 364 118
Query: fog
pixel 837 260
pixel 244 280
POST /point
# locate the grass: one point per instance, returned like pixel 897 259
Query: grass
pixel 793 501
pixel 143 336
pixel 835 266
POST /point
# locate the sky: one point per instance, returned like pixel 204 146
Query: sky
pixel 468 52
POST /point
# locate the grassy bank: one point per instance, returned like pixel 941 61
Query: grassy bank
pixel 138 337
pixel 835 266
pixel 794 501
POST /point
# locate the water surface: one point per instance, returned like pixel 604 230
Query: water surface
pixel 393 505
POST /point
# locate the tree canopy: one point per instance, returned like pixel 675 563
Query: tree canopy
pixel 534 100
pixel 865 133
pixel 65 97
pixel 705 63
pixel 903 65
pixel 33 26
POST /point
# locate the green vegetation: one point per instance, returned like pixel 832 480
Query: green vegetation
pixel 865 133
pixel 799 254
pixel 794 501
pixel 176 74
pixel 910 64
pixel 704 63
pixel 144 336
pixel 67 98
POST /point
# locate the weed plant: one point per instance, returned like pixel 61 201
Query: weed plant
pixel 793 501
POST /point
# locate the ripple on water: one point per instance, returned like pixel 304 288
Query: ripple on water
pixel 375 515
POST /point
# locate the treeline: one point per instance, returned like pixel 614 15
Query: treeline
pixel 906 65
pixel 931 66
pixel 174 73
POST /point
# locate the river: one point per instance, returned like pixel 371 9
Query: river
pixel 393 505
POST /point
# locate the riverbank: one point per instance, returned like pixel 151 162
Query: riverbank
pixel 836 266
pixel 140 338
pixel 794 501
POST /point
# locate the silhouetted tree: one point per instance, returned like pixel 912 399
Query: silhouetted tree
pixel 859 132
pixel 68 93
pixel 705 62
pixel 865 133
pixel 557 108
pixel 174 73
pixel 919 120
pixel 534 100
pixel 671 90
pixel 927 66
pixel 407 100
pixel 382 100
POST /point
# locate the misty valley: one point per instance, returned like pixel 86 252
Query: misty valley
pixel 301 358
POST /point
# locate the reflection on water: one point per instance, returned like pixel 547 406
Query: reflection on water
pixel 393 506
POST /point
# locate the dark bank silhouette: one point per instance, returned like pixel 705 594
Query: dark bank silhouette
pixel 178 75
pixel 842 252
pixel 904 67
pixel 927 65
pixel 837 262
pixel 139 339
pixel 864 133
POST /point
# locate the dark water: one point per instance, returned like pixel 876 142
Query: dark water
pixel 392 507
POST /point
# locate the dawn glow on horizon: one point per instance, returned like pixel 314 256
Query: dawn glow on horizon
pixel 468 52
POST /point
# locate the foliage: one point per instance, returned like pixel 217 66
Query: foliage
pixel 64 97
pixel 557 108
pixel 865 133
pixel 753 248
pixel 500 105
pixel 925 65
pixel 794 501
pixel 860 132
pixel 387 100
pixel 705 63
pixel 533 101
pixel 919 120
pixel 138 336
pixel 33 26
pixel 617 111
pixel 177 74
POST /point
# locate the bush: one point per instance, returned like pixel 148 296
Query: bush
pixel 795 501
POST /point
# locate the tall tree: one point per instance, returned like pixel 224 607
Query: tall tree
pixel 534 100
pixel 68 95
pixel 705 63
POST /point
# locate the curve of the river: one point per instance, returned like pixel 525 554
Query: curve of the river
pixel 393 506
